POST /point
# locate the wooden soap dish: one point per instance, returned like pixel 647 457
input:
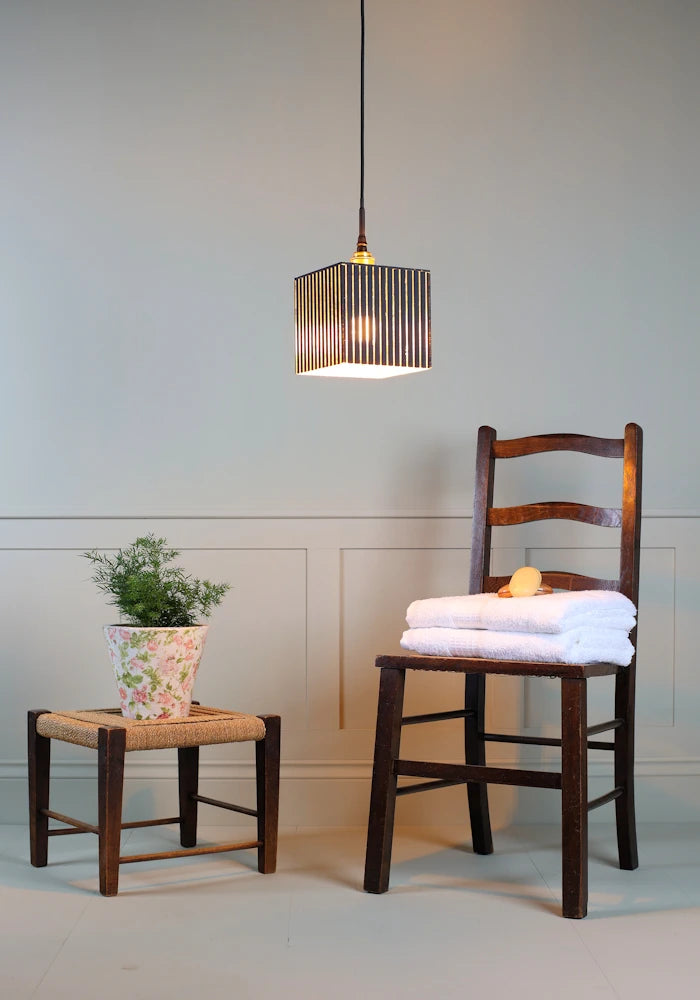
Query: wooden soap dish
pixel 544 589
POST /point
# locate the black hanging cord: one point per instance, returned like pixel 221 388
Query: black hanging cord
pixel 362 238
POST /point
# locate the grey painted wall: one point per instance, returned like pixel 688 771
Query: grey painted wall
pixel 168 167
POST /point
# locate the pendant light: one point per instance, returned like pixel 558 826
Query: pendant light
pixel 359 319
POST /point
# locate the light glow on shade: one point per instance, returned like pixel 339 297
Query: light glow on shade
pixel 362 321
pixel 344 370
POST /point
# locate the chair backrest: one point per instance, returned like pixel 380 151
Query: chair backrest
pixel 627 517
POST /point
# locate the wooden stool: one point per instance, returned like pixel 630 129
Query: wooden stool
pixel 108 732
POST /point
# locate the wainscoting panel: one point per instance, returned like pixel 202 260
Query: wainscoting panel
pixel 314 600
pixel 377 587
pixel 55 655
pixel 655 661
pixel 256 648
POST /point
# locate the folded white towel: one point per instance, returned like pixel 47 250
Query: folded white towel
pixel 579 645
pixel 553 613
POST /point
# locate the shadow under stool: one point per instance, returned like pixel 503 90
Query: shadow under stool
pixel 112 735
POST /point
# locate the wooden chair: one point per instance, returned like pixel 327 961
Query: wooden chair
pixel 575 733
pixel 106 731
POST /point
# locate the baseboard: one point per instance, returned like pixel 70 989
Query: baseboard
pixel 325 770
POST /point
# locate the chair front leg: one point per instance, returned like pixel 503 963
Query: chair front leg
pixel 380 829
pixel 267 770
pixel 111 746
pixel 475 753
pixel 39 763
pixel 574 793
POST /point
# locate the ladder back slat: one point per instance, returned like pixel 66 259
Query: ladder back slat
pixel 539 443
pixel 605 517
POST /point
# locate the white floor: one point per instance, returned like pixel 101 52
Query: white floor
pixel 452 925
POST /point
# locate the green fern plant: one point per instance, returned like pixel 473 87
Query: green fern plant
pixel 148 590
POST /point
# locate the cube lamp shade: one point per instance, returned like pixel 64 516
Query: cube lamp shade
pixel 356 318
pixel 362 321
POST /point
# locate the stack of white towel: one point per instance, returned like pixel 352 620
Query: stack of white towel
pixel 585 626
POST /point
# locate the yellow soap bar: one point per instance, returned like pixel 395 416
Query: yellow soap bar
pixel 525 581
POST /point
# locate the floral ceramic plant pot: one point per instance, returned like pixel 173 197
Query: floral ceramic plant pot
pixel 155 668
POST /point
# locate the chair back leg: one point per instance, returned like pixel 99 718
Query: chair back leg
pixel 39 760
pixel 624 771
pixel 267 770
pixel 475 753
pixel 188 787
pixel 574 797
pixel 111 746
pixel 380 829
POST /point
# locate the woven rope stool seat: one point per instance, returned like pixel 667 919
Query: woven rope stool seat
pixel 112 736
pixel 202 727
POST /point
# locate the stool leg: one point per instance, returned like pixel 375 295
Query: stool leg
pixel 380 830
pixel 188 781
pixel 267 771
pixel 111 745
pixel 39 760
pixel 574 795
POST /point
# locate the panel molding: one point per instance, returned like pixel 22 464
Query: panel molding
pixel 210 514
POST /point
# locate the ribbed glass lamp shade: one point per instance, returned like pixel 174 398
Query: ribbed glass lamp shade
pixel 362 321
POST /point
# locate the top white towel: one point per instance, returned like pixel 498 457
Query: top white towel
pixel 548 613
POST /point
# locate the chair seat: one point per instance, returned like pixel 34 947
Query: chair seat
pixel 202 727
pixel 473 665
